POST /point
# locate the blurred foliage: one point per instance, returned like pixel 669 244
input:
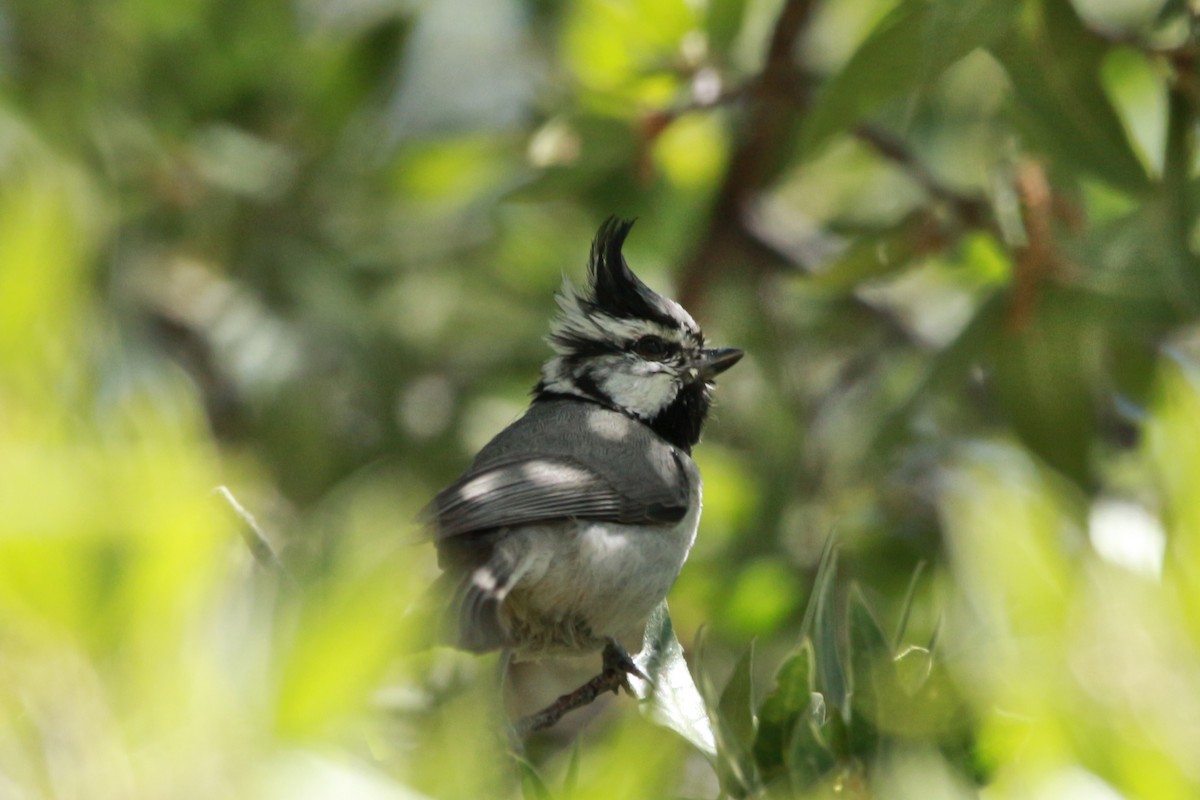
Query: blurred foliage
pixel 306 249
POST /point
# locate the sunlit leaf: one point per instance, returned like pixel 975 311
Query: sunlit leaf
pixel 908 49
pixel 1173 447
pixel 1139 96
pixel 533 787
pixel 691 152
pixel 672 698
pixel 1060 101
pixel 345 634
pixel 571 776
pixel 913 665
pixel 622 47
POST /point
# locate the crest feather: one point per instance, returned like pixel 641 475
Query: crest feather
pixel 616 306
pixel 615 290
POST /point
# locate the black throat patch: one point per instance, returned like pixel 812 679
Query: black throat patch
pixel 680 423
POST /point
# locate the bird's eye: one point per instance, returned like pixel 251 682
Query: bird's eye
pixel 651 347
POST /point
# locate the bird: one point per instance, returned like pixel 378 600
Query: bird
pixel 571 525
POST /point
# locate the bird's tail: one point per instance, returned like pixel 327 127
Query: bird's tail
pixel 461 610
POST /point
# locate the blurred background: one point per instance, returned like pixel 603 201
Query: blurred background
pixel 307 250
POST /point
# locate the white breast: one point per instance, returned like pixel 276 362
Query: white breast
pixel 585 581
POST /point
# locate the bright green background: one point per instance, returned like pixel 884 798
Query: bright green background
pixel 307 250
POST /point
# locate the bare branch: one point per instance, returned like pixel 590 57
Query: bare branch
pixel 584 695
pixel 773 102
pixel 618 666
pixel 973 211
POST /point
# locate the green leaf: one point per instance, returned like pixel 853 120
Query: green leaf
pixel 928 704
pixel 871 673
pixel 532 785
pixel 571 777
pixel 1045 381
pixel 817 711
pixel 945 373
pixel 821 623
pixel 1171 8
pixel 906 607
pixel 871 257
pixel 736 707
pixel 1054 64
pixel 913 666
pixel 835 735
pixel 736 726
pixel 787 702
pixel 822 584
pixel 723 23
pixel 868 640
pixel 672 698
pixel 807 757
pixel 911 47
pixel 733 724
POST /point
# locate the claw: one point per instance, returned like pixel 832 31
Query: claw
pixel 618 663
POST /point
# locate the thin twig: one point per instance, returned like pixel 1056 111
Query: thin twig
pixel 618 666
pixel 1038 259
pixel 550 715
pixel 772 102
pixel 252 533
pixel 654 123
pixel 972 210
pixel 725 97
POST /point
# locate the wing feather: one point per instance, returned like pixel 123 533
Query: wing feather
pixel 528 490
pixel 567 459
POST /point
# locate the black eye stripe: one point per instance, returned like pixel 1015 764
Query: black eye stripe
pixel 578 348
pixel 654 347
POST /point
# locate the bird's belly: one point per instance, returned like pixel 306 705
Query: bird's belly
pixel 596 581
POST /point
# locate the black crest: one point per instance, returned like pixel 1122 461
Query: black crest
pixel 615 289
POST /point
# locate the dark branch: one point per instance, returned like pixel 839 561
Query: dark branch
pixel 618 666
pixel 973 211
pixel 549 716
pixel 773 104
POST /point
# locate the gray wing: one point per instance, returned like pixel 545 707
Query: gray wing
pixel 540 489
pixel 545 468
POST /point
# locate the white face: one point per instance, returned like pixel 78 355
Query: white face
pixel 644 388
pixel 642 370
pixel 638 365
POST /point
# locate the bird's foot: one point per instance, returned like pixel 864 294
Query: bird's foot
pixel 617 667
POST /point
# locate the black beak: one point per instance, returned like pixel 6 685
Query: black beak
pixel 713 362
